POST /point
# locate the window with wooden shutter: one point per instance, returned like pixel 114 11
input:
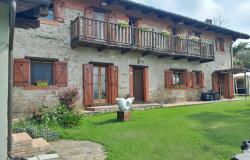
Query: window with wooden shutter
pixel 169 79
pixel 112 84
pixel 189 79
pixel 202 80
pixel 220 44
pixel 21 72
pixel 60 74
pixel 59 7
pixel 215 82
pixel 88 85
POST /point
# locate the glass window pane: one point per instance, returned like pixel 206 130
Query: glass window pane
pixel 95 71
pixel 41 71
pixel 104 93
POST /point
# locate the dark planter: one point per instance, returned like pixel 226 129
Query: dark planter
pixel 123 116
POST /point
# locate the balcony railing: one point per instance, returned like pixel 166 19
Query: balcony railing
pixel 104 34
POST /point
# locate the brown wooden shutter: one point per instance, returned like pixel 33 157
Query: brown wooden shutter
pixel 131 82
pixel 145 84
pixel 21 72
pixel 215 82
pixel 59 10
pixel 112 84
pixel 222 47
pixel 60 77
pixel 184 76
pixel 193 79
pixel 189 79
pixel 228 86
pixel 88 98
pixel 202 80
pixel 169 79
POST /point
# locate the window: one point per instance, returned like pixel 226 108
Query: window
pixel 41 71
pixel 51 13
pixel 197 78
pixel 177 77
pixel 219 43
pixel 100 82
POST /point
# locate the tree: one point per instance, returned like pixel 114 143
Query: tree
pixel 242 55
pixel 240 47
pixel 221 21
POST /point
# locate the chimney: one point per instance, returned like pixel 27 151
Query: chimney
pixel 209 21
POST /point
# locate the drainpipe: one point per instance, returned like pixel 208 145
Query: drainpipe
pixel 11 38
pixel 232 54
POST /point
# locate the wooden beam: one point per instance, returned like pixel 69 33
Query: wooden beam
pixel 101 48
pixel 146 53
pixel 125 50
pixel 163 56
pixel 179 57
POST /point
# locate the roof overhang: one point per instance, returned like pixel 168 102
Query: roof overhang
pixel 28 12
pixel 128 4
pixel 232 71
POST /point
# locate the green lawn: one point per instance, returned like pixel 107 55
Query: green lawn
pixel 201 132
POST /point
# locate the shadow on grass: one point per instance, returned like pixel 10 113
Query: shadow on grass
pixel 224 129
pixel 109 121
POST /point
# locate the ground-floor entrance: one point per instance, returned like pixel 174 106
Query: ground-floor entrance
pixel 100 84
pixel 139 87
pixel 138 84
pixel 223 84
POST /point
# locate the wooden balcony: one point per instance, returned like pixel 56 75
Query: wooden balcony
pixel 101 34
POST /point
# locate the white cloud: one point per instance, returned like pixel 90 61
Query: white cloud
pixel 237 12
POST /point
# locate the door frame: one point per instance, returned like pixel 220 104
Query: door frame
pixel 145 81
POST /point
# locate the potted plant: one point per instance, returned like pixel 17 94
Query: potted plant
pixel 182 35
pixel 123 24
pixel 42 83
pixel 194 38
pixel 166 33
pixel 145 30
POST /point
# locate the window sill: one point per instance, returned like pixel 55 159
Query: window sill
pixel 49 22
pixel 37 88
pixel 179 86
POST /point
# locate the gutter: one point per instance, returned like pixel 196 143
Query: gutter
pixel 10 62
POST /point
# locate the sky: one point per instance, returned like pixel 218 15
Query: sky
pixel 235 12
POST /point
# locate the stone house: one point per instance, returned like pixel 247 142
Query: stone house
pixel 115 48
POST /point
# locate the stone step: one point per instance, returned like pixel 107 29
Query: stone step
pixel 24 146
pixel 21 144
pixel 46 157
pixel 40 145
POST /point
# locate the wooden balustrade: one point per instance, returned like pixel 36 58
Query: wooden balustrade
pixel 94 32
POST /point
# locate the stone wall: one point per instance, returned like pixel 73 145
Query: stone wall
pixel 53 41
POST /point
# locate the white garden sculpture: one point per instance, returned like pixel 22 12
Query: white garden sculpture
pixel 124 104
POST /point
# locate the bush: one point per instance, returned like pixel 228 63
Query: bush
pixel 68 96
pixel 35 132
pixel 60 115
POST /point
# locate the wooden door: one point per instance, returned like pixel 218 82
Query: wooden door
pixel 138 87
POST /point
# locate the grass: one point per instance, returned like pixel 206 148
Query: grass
pixel 201 132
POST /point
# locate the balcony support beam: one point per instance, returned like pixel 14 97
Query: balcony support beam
pixel 146 53
pixel 101 48
pixel 125 50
